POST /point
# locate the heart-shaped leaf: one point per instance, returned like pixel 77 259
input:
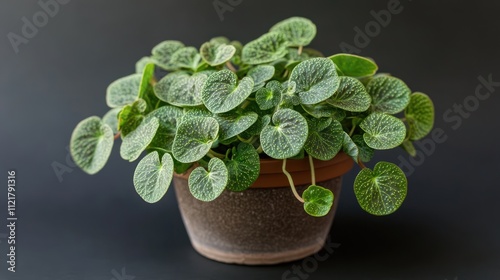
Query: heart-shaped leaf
pixel 324 144
pixel 131 116
pixel 382 131
pixel 261 74
pixel 365 152
pixel 162 54
pixel 168 117
pixel 286 137
pixel 349 147
pixel 185 91
pixel 111 119
pixel 234 123
pixel 323 109
pixel 353 65
pixel 267 48
pixel 208 185
pixel 298 31
pixel 152 177
pixel 243 167
pixel 316 80
pixel 222 93
pixel 317 201
pixel 186 57
pixel 216 54
pixel 123 91
pixel 389 95
pixel 270 96
pixel 91 144
pixel 351 95
pixel 162 88
pixel 194 138
pixel 381 191
pixel 138 140
pixel 419 115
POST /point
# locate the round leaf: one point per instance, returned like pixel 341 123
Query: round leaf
pixel 243 167
pixel 389 95
pixel 91 144
pixel 317 200
pixel 233 123
pixel 381 191
pixel 141 64
pixel 185 91
pixel 270 96
pixel 298 31
pixel 287 136
pixel 350 96
pixel 316 80
pixel 324 109
pixel 261 74
pixel 194 138
pixel 382 131
pixel 168 117
pixel 324 144
pixel 216 54
pixel 208 185
pixel 353 65
pixel 162 54
pixel 138 140
pixel 152 177
pixel 221 93
pixel 186 57
pixel 111 119
pixel 420 115
pixel 123 91
pixel 267 48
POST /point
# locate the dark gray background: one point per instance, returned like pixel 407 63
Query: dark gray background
pixel 87 226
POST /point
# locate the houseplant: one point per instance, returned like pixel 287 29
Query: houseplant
pixel 218 119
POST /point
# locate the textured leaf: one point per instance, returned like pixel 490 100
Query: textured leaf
pixel 389 95
pixel 138 140
pixel 419 115
pixel 123 91
pixel 147 75
pixel 259 125
pixel 141 64
pixel 286 137
pixel 194 138
pixel 152 177
pixel 162 54
pixel 260 74
pixel 350 96
pixel 131 116
pixel 324 144
pixel 111 119
pixel 349 147
pixel 169 117
pixel 243 167
pixel 207 186
pixel 324 109
pixel 267 48
pixel 382 131
pixel 91 144
pixel 163 88
pixel 234 123
pixel 270 96
pixel 222 93
pixel 186 90
pixel 381 191
pixel 353 65
pixel 186 57
pixel 365 152
pixel 316 80
pixel 216 53
pixel 317 201
pixel 298 31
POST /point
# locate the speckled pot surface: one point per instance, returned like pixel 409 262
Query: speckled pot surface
pixel 264 224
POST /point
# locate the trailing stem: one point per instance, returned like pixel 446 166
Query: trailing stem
pixel 290 180
pixel 313 173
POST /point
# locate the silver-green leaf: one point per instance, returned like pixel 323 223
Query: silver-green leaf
pixel 123 91
pixel 208 185
pixel 162 54
pixel 243 167
pixel 267 48
pixel 324 144
pixel 111 119
pixel 316 80
pixel 419 115
pixel 234 123
pixel 216 54
pixel 152 177
pixel 298 31
pixel 389 95
pixel 194 138
pixel 221 92
pixel 382 131
pixel 317 200
pixel 351 95
pixel 138 140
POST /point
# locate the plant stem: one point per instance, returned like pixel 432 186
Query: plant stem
pixel 245 140
pixel 259 149
pixel 361 164
pixel 213 154
pixel 299 51
pixel 290 180
pixel 245 104
pixel 352 130
pixel 230 66
pixel 313 174
pixel 117 135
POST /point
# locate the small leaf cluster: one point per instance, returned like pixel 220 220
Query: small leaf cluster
pixel 220 108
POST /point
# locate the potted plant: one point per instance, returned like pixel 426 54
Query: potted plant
pixel 257 137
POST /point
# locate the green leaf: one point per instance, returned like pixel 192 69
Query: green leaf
pixel 317 201
pixel 207 186
pixel 162 54
pixel 111 119
pixel 234 123
pixel 382 131
pixel 287 136
pixel 194 138
pixel 138 140
pixel 147 75
pixel 261 74
pixel 259 125
pixel 168 117
pixel 152 177
pixel 409 148
pixel 350 96
pixel 91 144
pixel 324 144
pixel 243 167
pixel 186 57
pixel 123 91
pixel 323 109
pixel 216 53
pixel 349 147
pixel 131 116
pixel 419 115
pixel 222 93
pixel 353 65
pixel 162 88
pixel 185 91
pixel 141 64
pixel 381 191
pixel 270 96
pixel 267 48
pixel 298 31
pixel 316 80
pixel 365 152
pixel 389 95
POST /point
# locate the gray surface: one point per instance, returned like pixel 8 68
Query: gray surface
pixel 85 227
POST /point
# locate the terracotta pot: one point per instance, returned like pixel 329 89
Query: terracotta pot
pixel 265 224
